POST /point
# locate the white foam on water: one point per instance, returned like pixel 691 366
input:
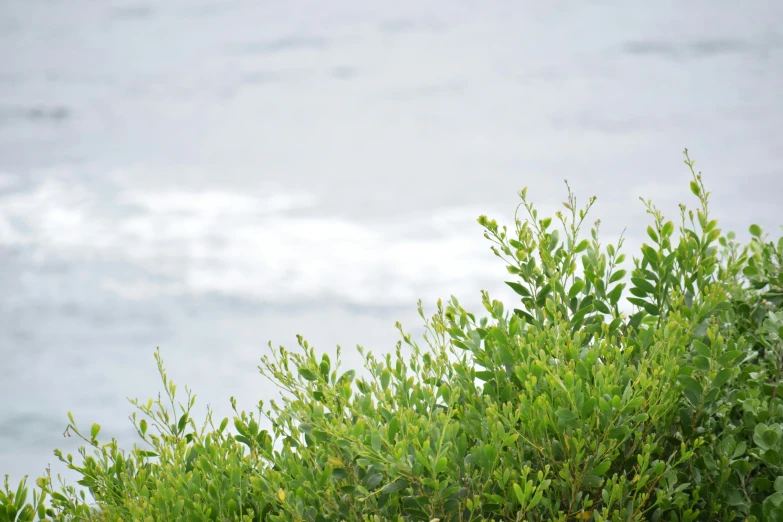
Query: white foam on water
pixel 245 245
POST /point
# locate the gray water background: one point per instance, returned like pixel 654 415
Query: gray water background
pixel 207 176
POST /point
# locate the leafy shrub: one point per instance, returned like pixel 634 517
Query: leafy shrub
pixel 566 408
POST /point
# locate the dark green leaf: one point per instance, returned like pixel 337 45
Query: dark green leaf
pixel 576 288
pixel 615 294
pixel 643 284
pixel 394 487
pixel 722 378
pixel 521 290
pixel 701 362
pixel 565 415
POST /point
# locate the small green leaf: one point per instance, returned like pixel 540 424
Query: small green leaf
pixel 94 430
pixel 347 376
pixel 394 487
pixel 375 439
pixel 617 276
pixel 652 234
pixel 308 374
pixel 177 509
pixel 489 454
pixel 755 230
pixel 385 378
pixel 643 285
pixel 565 415
pixel 373 481
pixel 441 465
pixel 701 362
pixel 601 307
pixel 576 288
pixel 582 246
pixel 648 307
pixel 536 499
pixel 588 407
pixel 701 348
pixel 602 468
pixel 521 290
pixel 693 390
pixel 615 294
pixel 695 188
pixel 739 450
pixel 722 378
pixel 519 494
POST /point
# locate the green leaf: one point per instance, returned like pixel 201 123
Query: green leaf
pixel 576 288
pixel 94 430
pixel 601 307
pixel 617 276
pixel 592 481
pixel 565 415
pixel 739 450
pixel 701 348
pixel 643 285
pixel 695 188
pixel 755 230
pixel 536 499
pixel 701 362
pixel 652 234
pixel 722 378
pixel 602 468
pixel 521 290
pixel 308 374
pixel 394 487
pixel 615 294
pixel 489 454
pixel 373 481
pixel 441 465
pixel 588 407
pixel 525 315
pixel 177 509
pixel 519 494
pixel 393 429
pixel 375 440
pixel 693 390
pixel 582 246
pixel 648 307
pixel 668 229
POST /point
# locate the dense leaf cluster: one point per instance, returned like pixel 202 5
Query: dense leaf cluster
pixel 605 396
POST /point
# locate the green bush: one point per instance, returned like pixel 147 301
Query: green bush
pixel 566 408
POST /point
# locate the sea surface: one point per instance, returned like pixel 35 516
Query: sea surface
pixel 210 176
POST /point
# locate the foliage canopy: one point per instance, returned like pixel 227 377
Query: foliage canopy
pixel 606 396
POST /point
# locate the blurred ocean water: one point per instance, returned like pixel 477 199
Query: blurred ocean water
pixel 209 176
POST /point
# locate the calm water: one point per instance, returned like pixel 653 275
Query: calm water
pixel 209 176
